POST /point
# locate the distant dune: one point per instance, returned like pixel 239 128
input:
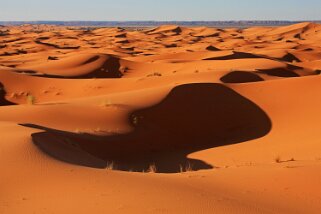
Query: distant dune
pixel 222 24
pixel 169 119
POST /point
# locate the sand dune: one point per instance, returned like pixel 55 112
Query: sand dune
pixel 164 120
pixel 81 66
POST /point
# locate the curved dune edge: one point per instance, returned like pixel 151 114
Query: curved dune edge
pixel 80 66
pixel 241 77
pixel 191 118
pixel 66 150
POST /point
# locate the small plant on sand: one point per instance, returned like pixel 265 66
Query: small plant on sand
pixel 52 58
pixel 106 103
pixel 30 99
pixel 188 168
pixel 155 74
pixel 98 129
pixel 181 169
pixel 152 168
pixel 13 95
pixel 110 166
pixel 278 159
pixel 77 131
pixel 136 119
pixel 124 69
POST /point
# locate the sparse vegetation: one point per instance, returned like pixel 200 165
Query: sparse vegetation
pixel 110 166
pixel 187 168
pixel 277 159
pixel 31 99
pixel 52 58
pixel 152 168
pixel 292 159
pixel 98 129
pixel 124 69
pixel 106 103
pixel 155 74
pixel 136 119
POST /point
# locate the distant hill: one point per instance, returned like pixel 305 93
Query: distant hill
pixel 156 23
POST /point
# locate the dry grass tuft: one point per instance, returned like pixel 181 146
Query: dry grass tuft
pixel 31 99
pixel 110 166
pixel 187 168
pixel 106 103
pixel 135 120
pixel 152 168
pixel 155 74
pixel 278 159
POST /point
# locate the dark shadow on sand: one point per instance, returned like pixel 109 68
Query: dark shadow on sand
pixel 241 77
pixel 191 118
pixel 3 100
pixel 110 69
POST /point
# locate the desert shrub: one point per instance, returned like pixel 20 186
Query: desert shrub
pixel 277 159
pixel 31 99
pixel 152 168
pixel 52 58
pixel 155 74
pixel 110 166
pixel 106 103
pixel 187 168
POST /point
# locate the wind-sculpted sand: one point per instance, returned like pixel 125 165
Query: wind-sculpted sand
pixel 164 120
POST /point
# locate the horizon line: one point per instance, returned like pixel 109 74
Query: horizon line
pixel 255 20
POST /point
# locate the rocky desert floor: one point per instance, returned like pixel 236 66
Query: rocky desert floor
pixel 164 120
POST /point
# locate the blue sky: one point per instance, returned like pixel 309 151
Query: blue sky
pixel 165 10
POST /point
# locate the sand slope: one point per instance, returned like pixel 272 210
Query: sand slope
pixel 164 120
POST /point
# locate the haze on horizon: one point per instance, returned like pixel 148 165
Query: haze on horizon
pixel 165 10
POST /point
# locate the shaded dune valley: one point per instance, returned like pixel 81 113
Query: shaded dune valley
pixel 191 118
pixel 168 119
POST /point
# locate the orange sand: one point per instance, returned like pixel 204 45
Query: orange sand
pixel 164 120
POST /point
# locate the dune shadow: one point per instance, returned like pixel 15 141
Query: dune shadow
pixel 212 48
pixel 241 77
pixel 290 58
pixel 3 100
pixel 110 69
pixel 41 42
pixel 279 72
pixel 192 118
pixel 235 55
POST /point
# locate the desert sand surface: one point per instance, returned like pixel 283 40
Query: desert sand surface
pixel 164 120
